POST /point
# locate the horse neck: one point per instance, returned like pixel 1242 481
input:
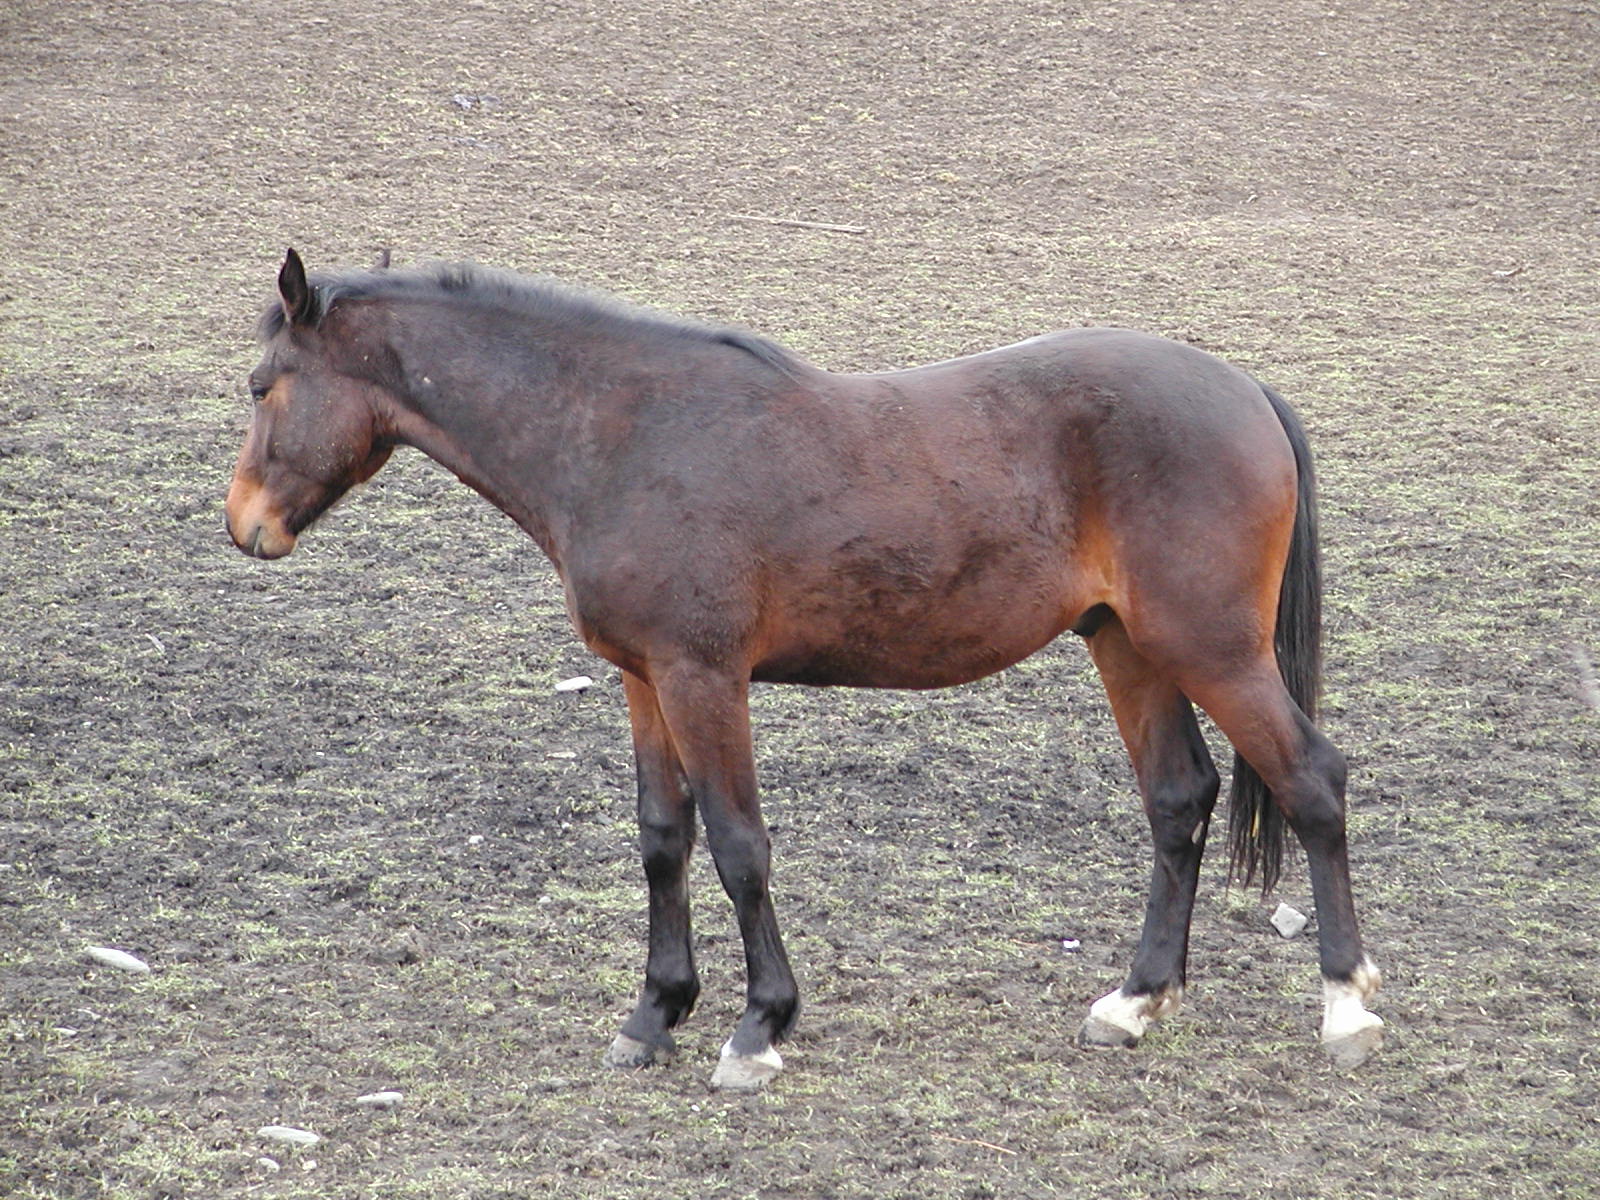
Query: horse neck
pixel 536 414
pixel 481 398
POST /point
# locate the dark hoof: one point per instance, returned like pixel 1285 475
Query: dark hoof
pixel 1096 1032
pixel 631 1053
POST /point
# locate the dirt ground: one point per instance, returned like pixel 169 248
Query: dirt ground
pixel 337 806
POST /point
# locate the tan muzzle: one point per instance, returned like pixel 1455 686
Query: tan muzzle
pixel 255 526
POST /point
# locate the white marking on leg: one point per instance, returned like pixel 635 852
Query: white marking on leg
pixel 1344 1009
pixel 767 1058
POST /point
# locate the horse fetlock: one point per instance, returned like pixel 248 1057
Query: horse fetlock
pixel 673 999
pixel 1367 978
pixel 773 1015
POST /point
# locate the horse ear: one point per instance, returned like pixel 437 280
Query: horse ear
pixel 294 292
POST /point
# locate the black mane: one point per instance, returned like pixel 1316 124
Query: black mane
pixel 540 298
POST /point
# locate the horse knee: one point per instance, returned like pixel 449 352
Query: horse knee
pixel 665 849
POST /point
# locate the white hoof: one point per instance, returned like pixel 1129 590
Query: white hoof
pixel 1351 1034
pixel 745 1072
pixel 1118 1019
pixel 1350 1050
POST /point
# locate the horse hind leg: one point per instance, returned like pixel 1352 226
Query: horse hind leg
pixel 1305 774
pixel 1178 785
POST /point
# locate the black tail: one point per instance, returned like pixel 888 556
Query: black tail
pixel 1255 826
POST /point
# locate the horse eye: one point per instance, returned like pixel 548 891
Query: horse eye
pixel 258 392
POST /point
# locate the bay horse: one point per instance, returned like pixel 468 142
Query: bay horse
pixel 721 512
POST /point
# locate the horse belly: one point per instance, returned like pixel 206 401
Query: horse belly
pixel 899 633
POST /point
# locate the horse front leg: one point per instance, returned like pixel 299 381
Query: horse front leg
pixel 1178 784
pixel 666 836
pixel 708 715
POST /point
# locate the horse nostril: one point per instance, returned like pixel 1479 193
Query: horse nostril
pixel 255 543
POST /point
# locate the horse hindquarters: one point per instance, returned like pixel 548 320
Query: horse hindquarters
pixel 1221 601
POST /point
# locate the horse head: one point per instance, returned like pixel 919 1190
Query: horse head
pixel 315 432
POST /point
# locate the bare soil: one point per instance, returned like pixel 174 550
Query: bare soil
pixel 338 807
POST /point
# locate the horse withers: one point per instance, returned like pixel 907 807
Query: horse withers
pixel 721 512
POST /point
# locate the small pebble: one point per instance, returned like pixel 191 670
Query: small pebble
pixel 379 1099
pixel 268 1164
pixel 119 959
pixel 1288 921
pixel 287 1133
pixel 1071 945
pixel 576 684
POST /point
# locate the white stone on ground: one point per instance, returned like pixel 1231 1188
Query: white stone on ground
pixel 1289 921
pixel 287 1133
pixel 119 959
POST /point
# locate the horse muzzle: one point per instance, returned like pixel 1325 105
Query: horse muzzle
pixel 253 524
